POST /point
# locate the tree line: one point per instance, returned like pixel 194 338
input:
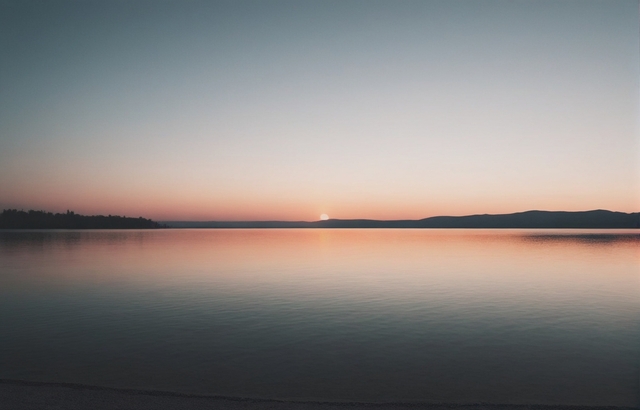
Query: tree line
pixel 15 219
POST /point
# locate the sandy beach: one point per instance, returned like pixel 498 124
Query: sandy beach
pixel 23 395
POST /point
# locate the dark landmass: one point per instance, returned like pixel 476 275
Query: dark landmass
pixel 23 395
pixel 598 219
pixel 14 219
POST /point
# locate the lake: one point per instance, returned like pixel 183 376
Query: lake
pixel 464 316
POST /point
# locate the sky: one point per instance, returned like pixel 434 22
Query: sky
pixel 286 110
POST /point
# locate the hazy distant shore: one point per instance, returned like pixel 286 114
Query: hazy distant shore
pixel 24 395
pixel 597 219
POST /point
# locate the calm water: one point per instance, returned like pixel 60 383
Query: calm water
pixel 510 316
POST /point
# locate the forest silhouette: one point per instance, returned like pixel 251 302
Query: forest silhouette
pixel 14 219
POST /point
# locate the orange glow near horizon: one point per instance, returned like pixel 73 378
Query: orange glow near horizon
pixel 185 208
pixel 282 213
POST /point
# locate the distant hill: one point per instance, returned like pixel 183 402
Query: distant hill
pixel 14 219
pixel 598 219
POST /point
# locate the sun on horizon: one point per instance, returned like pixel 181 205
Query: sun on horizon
pixel 324 217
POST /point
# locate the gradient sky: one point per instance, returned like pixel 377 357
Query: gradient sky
pixel 258 110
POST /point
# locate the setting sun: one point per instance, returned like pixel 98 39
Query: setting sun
pixel 324 217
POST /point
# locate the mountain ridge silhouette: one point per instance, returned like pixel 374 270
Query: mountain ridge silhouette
pixel 533 219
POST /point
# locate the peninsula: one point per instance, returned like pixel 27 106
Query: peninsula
pixel 14 219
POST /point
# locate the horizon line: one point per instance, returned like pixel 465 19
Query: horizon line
pixel 388 220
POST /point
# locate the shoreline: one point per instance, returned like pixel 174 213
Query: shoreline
pixel 23 395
